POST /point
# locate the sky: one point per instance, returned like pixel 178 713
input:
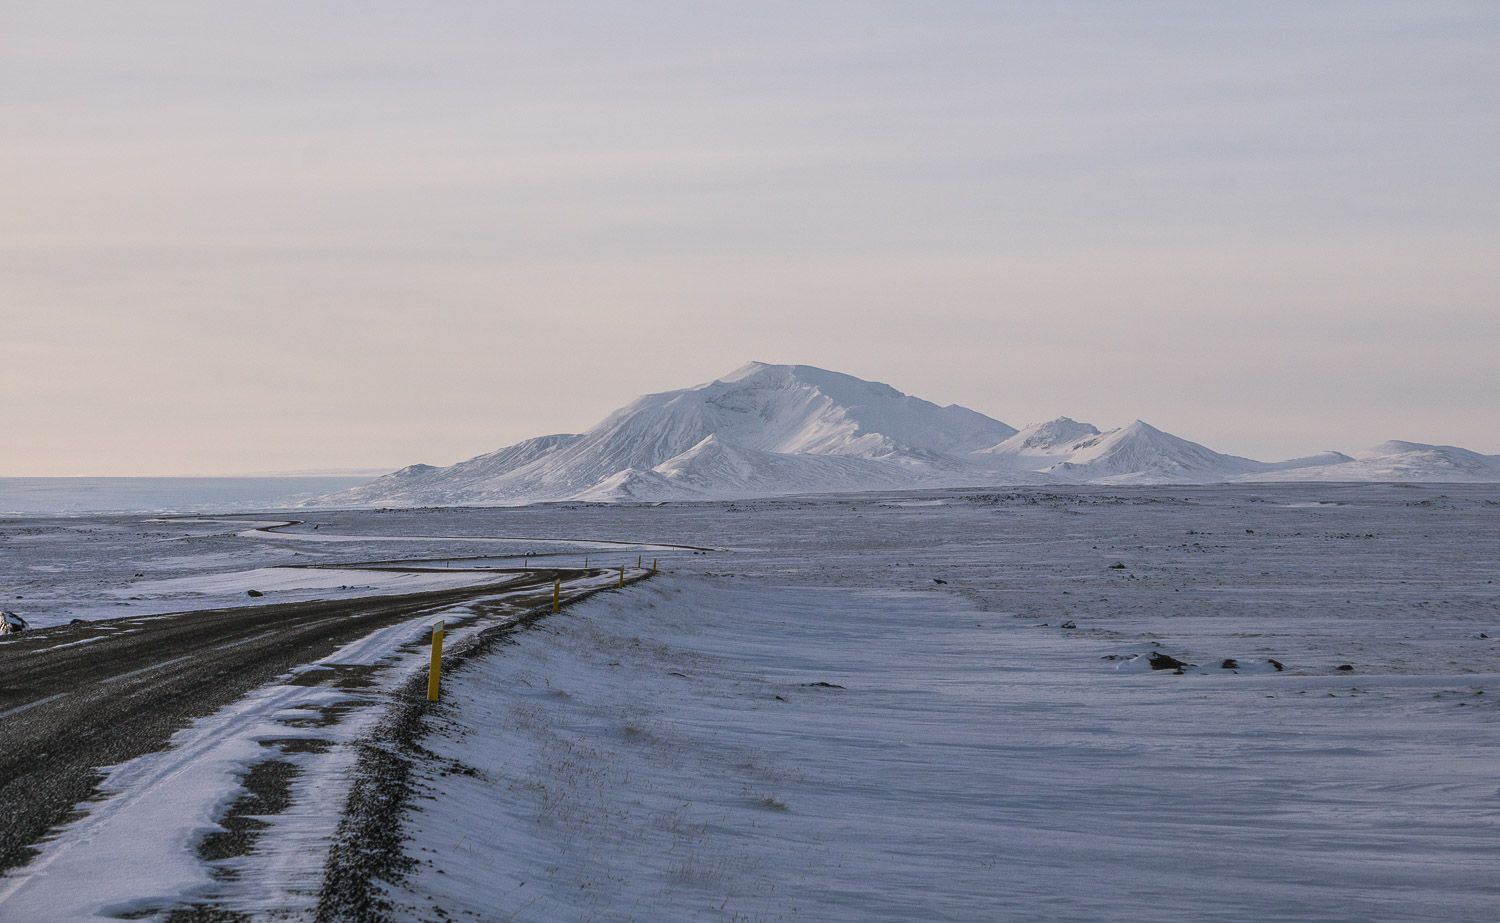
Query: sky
pixel 319 235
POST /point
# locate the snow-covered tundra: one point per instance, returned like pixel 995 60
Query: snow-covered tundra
pixel 917 705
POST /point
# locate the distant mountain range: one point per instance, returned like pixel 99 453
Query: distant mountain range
pixel 781 429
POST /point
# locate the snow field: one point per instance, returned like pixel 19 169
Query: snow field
pixel 632 760
pixel 982 762
pixel 52 571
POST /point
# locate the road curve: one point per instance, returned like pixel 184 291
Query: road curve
pixel 78 697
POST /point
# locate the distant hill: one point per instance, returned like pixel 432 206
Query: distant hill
pixel 779 429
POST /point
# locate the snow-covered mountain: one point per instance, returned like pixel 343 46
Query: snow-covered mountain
pixel 763 429
pixel 1141 453
pixel 778 429
pixel 1041 443
pixel 1400 461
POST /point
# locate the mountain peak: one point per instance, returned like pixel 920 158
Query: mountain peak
pixel 750 369
pixel 1050 438
pixel 769 375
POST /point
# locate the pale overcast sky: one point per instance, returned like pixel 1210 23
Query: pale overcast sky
pixel 261 236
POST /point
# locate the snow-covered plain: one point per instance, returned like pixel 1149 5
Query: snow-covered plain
pixel 81 495
pixel 665 753
pixel 55 570
pixel 766 430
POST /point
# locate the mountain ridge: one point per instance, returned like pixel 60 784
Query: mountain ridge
pixel 767 429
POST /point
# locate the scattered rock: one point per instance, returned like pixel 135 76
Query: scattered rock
pixel 824 685
pixel 1230 664
pixel 1117 566
pixel 1160 661
pixel 1070 624
pixel 10 623
pixel 1249 531
pixel 254 593
pixel 1276 664
pixel 1346 667
pixel 936 580
pixel 1483 635
pixel 780 699
pixel 79 622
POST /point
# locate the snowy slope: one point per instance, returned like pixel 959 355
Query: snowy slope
pixel 778 429
pixel 1041 444
pixel 457 484
pixel 1400 461
pixel 717 467
pixel 1142 454
pixel 1134 454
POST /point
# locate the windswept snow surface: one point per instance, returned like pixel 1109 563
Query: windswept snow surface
pixel 766 430
pixel 667 752
pixel 999 747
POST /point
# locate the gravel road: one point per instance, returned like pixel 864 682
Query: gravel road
pixel 78 697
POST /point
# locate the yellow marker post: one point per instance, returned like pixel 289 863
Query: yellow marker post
pixel 638 562
pixel 556 595
pixel 585 561
pixel 437 662
pixel 622 575
pixel 653 567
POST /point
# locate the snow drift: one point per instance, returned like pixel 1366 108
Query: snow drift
pixel 778 429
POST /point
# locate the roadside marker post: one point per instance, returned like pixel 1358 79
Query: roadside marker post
pixel 638 562
pixel 622 576
pixel 653 567
pixel 437 662
pixel 556 595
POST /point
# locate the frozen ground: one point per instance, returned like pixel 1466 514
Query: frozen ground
pixel 632 759
pixel 33 496
pixel 661 754
pixel 53 570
